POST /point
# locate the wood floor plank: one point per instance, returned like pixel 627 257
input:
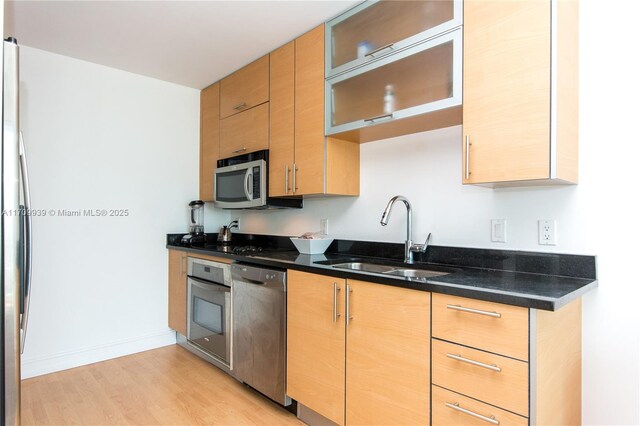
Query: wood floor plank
pixel 165 386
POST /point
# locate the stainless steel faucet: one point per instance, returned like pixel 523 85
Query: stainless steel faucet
pixel 409 247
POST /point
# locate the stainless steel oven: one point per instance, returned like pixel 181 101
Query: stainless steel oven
pixel 209 308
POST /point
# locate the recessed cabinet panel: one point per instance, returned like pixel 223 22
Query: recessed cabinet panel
pixel 375 29
pixel 419 80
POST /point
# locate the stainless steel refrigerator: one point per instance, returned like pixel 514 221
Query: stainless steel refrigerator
pixel 15 240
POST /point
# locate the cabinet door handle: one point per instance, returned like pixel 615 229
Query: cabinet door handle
pixel 491 367
pixel 474 311
pixel 286 179
pixel 349 291
pixel 336 289
pixel 237 151
pixel 240 106
pixel 457 407
pixel 467 143
pixel 379 49
pixel 379 117
pixel 294 170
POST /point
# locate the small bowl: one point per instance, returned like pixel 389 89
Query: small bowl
pixel 312 246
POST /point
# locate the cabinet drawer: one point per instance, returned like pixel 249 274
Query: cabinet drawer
pixel 450 408
pixel 492 327
pixel 245 88
pixel 244 133
pixel 492 378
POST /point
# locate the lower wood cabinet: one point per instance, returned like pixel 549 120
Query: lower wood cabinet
pixel 358 352
pixel 454 409
pixel 178 291
pixel 493 358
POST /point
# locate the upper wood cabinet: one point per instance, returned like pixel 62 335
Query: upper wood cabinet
pixel 246 132
pixel 245 88
pixel 302 160
pixel 375 29
pixel 520 119
pixel 209 138
pixel 359 349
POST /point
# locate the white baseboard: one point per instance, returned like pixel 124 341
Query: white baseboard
pixel 38 366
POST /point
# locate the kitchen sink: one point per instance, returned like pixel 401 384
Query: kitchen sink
pixel 416 273
pixel 364 267
pixel 389 270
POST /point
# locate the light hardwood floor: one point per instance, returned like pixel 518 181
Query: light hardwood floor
pixel 165 386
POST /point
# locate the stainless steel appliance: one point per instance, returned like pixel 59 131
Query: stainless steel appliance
pixel 241 183
pixel 15 242
pixel 259 329
pixel 209 310
pixel 224 235
pixel 196 223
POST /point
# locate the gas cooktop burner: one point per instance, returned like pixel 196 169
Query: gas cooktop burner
pixel 247 250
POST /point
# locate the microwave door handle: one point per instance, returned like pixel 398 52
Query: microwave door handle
pixel 248 185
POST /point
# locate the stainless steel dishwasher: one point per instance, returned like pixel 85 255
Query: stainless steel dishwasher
pixel 259 329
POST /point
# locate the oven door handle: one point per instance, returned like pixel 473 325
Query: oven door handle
pixel 207 285
pixel 248 185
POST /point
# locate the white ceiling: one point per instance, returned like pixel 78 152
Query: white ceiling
pixel 191 43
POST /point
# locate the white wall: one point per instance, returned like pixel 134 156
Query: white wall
pixel 599 216
pixel 99 138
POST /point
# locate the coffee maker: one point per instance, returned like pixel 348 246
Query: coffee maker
pixel 196 224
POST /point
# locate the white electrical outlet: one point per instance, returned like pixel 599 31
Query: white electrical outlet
pixel 238 220
pixel 324 226
pixel 499 230
pixel 547 232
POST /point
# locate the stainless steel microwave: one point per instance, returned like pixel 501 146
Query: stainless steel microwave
pixel 242 183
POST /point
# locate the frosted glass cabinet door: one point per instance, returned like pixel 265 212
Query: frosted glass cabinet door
pixel 418 80
pixel 374 29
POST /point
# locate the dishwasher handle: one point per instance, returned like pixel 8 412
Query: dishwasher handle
pixel 258 276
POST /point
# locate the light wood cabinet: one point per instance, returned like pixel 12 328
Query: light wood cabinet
pixel 493 327
pixel 384 345
pixel 520 117
pixel 209 138
pixel 245 133
pixel 543 386
pixel 454 409
pixel 178 291
pixel 387 355
pixel 316 343
pixel 245 88
pixel 302 160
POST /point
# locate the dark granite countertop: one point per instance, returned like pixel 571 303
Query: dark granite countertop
pixel 544 281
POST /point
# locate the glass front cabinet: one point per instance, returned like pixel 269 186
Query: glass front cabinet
pixel 385 65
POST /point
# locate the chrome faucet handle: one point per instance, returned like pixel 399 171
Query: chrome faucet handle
pixel 422 247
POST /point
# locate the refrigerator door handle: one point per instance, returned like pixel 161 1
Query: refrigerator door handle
pixel 25 288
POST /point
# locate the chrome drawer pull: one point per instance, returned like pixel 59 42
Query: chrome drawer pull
pixel 457 407
pixel 474 311
pixel 238 150
pixel 491 367
pixel 240 106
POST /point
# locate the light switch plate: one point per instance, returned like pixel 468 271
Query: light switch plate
pixel 324 226
pixel 499 230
